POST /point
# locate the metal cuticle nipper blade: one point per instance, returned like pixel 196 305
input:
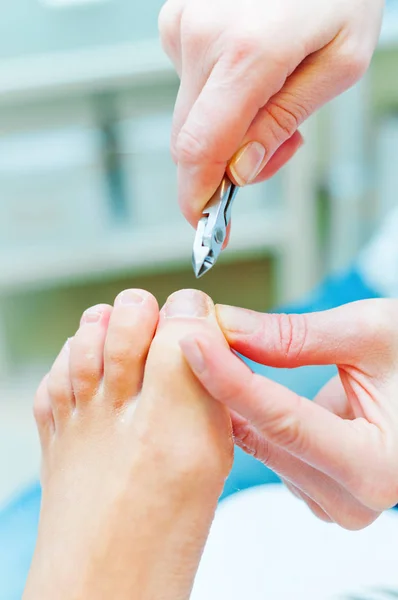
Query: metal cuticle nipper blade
pixel 212 228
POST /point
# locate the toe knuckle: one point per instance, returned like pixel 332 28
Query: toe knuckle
pixel 55 388
pixel 85 376
pixel 116 358
pixel 83 369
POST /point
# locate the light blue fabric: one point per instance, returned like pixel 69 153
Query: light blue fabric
pixel 19 520
pixel 18 530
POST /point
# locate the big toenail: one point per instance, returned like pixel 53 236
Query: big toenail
pixel 187 303
pixel 130 297
pixel 92 315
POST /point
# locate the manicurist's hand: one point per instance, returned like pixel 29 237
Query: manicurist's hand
pixel 251 72
pixel 340 452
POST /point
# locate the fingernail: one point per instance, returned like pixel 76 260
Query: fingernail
pixel 93 314
pixel 247 163
pixel 193 354
pixel 237 320
pixel 130 297
pixel 187 303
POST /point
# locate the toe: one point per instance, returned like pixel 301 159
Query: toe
pixel 186 312
pixel 59 387
pixel 42 410
pixel 131 329
pixel 172 394
pixel 87 351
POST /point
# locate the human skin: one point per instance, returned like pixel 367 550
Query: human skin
pixel 338 453
pixel 135 455
pixel 251 72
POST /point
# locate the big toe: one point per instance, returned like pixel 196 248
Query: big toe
pixel 170 392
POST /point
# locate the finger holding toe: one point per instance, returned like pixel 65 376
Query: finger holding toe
pixel 130 333
pixel 86 353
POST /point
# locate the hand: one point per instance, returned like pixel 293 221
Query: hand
pixel 340 452
pixel 251 72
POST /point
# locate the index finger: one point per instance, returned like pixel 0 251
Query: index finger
pixel 216 125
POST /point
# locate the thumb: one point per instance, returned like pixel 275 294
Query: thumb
pixel 315 82
pixel 361 333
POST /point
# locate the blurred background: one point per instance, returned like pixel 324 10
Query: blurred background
pixel 88 189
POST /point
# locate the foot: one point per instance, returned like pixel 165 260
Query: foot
pixel 135 455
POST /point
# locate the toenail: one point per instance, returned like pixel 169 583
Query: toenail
pixel 130 297
pixel 187 303
pixel 93 314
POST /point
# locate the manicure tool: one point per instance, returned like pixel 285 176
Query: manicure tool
pixel 212 228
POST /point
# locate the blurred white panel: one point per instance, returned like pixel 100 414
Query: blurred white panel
pixel 264 543
pixel 150 173
pixel 52 189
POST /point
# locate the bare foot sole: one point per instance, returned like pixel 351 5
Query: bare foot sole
pixel 135 455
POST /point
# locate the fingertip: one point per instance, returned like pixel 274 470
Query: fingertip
pixel 193 353
pixel 196 186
